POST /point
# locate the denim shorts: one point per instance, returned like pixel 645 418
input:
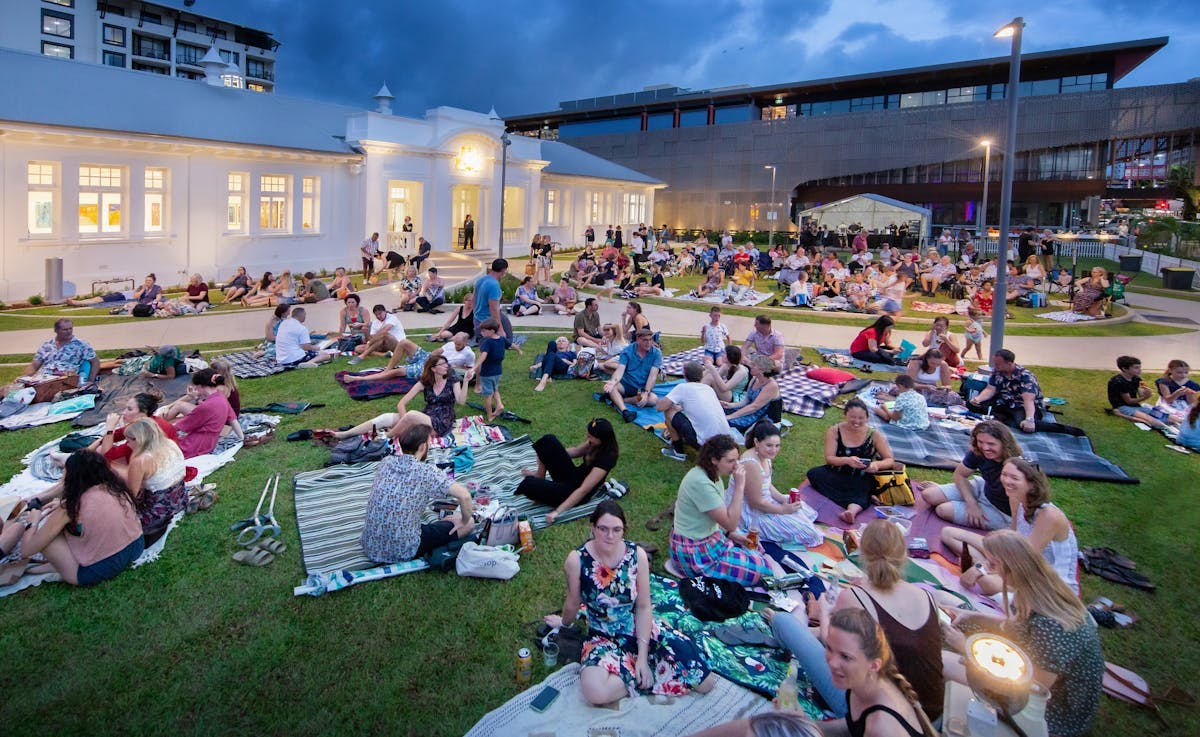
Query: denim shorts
pixel 103 570
pixel 489 385
pixel 1127 410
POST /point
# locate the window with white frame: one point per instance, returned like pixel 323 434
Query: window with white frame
pixel 595 208
pixel 273 202
pixel 636 208
pixel 551 207
pixel 237 185
pixel 155 199
pixel 100 199
pixel 310 204
pixel 42 181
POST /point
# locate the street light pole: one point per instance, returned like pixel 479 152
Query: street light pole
pixel 1013 29
pixel 987 177
pixel 772 215
pixel 504 143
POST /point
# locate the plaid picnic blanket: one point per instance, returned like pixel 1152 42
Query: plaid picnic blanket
pixel 247 366
pixel 364 390
pixel 804 396
pixel 945 442
pixel 673 364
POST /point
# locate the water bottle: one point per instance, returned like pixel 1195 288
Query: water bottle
pixel 787 697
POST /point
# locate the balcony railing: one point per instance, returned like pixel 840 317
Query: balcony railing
pixel 152 53
pixel 257 73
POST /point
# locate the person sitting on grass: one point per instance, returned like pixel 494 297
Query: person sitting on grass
pixel 385 335
pixel 556 361
pixel 704 537
pixel 201 429
pixel 978 501
pixel 857 293
pixel 491 360
pixel 92 533
pixel 155 476
pixel 608 351
pixel 1127 391
pixel 564 297
pixel 458 352
pixel 64 353
pixel 729 378
pixel 741 282
pixel 410 288
pixel 853 451
pixel 1049 623
pixel 654 287
pixel 984 298
pixel 871 344
pixel 236 287
pixel 800 292
pixel 341 286
pixel 569 485
pixel 713 280
pixel 1034 516
pixel 1014 396
pixel 1176 391
pixel 939 338
pixel 293 344
pixel 441 390
pixel 627 651
pixel 187 403
pixel 929 371
pixel 164 364
pixel 768 511
pixel 692 413
pixel 433 292
pixel 636 374
pixel 1189 428
pixel 910 409
pixel 352 319
pixel 462 320
pixel 259 294
pixel 403 487
pixel 525 299
pixel 761 392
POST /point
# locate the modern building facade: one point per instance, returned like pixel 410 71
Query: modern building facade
pixel 136 173
pixel 143 36
pixel 911 134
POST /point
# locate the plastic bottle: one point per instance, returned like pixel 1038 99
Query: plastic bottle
pixel 525 667
pixel 787 697
pixel 525 531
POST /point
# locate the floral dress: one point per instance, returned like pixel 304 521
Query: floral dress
pixel 608 594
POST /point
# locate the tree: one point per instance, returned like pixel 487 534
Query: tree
pixel 1181 178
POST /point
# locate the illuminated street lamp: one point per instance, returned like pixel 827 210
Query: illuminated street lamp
pixel 771 212
pixel 1013 29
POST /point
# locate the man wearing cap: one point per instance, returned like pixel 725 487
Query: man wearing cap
pixel 165 364
pixel 432 294
pixel 637 371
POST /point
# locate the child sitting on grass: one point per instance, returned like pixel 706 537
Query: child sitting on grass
pixel 984 298
pixel 1126 392
pixel 491 358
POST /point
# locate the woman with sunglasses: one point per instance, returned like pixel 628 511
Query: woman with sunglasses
pixel 1034 517
pixel 627 651
pixel 569 484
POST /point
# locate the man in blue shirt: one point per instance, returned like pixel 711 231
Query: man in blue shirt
pixel 636 373
pixel 487 301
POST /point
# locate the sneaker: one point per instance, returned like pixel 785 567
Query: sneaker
pixel 356 360
pixel 628 415
pixel 674 454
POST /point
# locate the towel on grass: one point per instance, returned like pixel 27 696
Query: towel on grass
pixel 46 413
pixel 1066 316
pixel 571 716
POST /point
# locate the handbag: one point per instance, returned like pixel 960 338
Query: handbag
pixel 485 561
pixel 530 269
pixel 503 529
pixel 892 487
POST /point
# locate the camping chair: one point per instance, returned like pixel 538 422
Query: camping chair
pixel 1053 285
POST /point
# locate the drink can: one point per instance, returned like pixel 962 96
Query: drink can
pixel 524 666
pixel 752 536
pixel 794 496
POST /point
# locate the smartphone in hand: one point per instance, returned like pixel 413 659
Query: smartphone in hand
pixel 544 699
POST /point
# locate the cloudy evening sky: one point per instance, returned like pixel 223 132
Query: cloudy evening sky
pixel 524 57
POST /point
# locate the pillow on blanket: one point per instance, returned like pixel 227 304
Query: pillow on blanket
pixel 829 375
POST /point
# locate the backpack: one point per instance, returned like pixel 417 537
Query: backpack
pixel 142 311
pixel 713 599
pixel 357 450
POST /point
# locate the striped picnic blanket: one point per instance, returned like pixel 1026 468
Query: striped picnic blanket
pixel 246 366
pixel 331 503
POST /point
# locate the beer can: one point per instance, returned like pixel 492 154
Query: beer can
pixel 752 537
pixel 524 666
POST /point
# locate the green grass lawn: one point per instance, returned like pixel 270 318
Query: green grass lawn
pixel 196 644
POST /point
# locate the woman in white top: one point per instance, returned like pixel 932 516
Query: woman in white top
pixel 930 369
pixel 1034 269
pixel 611 345
pixel 766 509
pixel 1034 517
pixel 155 476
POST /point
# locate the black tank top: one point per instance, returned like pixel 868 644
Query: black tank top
pixel 858 727
pixel 918 653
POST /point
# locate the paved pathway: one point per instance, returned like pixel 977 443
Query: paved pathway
pixel 1083 352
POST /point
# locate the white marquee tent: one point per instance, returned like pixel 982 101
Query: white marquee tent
pixel 874 212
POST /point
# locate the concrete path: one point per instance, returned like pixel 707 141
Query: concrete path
pixel 1059 351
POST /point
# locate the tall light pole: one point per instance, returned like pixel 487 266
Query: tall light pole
pixel 771 215
pixel 505 140
pixel 987 176
pixel 1012 29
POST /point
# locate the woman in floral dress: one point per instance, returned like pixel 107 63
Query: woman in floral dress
pixel 627 651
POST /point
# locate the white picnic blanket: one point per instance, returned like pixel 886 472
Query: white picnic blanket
pixel 748 299
pixel 1066 316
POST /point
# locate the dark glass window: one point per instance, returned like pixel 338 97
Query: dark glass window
pixel 739 114
pixel 113 59
pixel 187 25
pixel 656 121
pixel 114 35
pixel 600 127
pixel 693 118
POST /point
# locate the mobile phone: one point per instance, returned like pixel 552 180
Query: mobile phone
pixel 544 699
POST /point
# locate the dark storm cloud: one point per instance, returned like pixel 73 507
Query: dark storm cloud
pixel 526 57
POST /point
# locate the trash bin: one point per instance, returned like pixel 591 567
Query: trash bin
pixel 1177 277
pixel 54 281
pixel 1131 262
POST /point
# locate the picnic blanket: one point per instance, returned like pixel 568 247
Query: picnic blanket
pixel 1066 316
pixel 47 413
pixel 945 442
pixel 374 388
pixel 749 298
pixel 116 390
pixel 672 365
pixel 571 716
pixel 247 366
pixel 851 362
pixel 941 308
pixel 804 396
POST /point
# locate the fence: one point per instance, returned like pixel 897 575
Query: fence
pixel 1152 263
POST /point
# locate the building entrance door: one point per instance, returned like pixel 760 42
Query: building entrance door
pixel 466 200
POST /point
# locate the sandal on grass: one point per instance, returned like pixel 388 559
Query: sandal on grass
pixel 271 545
pixel 256 557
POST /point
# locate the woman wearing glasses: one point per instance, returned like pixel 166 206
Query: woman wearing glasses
pixel 627 651
pixel 1034 517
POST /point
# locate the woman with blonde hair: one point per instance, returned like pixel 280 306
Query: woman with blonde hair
pixel 611 345
pixel 155 476
pixel 185 404
pixel 879 698
pixel 1049 623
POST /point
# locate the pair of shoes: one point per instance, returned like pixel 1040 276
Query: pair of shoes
pixel 356 360
pixel 628 415
pixel 674 454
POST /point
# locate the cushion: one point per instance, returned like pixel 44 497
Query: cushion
pixel 829 375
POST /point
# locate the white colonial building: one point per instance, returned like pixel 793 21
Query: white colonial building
pixel 120 174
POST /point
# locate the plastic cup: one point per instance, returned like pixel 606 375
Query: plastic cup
pixel 550 654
